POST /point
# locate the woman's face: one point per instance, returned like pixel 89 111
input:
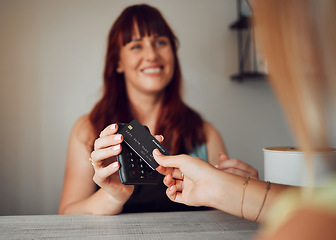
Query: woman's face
pixel 147 63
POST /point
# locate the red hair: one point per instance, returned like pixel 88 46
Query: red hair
pixel 181 126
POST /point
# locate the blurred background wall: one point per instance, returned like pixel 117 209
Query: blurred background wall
pixel 51 62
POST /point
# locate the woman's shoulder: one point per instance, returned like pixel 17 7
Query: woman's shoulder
pixel 83 129
pixel 214 142
pixel 208 126
pixel 210 131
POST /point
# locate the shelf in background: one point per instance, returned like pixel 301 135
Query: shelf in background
pixel 251 67
pixel 240 77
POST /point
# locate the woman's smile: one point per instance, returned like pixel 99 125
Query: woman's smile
pixel 152 70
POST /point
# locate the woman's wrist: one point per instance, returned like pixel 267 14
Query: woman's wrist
pixel 105 204
pixel 216 190
pixel 225 195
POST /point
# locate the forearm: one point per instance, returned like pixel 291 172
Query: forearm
pixel 100 203
pixel 255 194
pixel 230 191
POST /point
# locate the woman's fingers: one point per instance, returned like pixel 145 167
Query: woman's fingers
pixel 179 185
pixel 167 161
pixel 161 160
pixel 104 172
pixel 169 181
pixel 174 195
pixel 106 141
pixel 160 138
pixel 239 167
pixel 111 129
pixel 238 172
pixel 177 174
pixel 223 156
pixel 233 163
pixel 100 155
pixel 107 145
pixel 171 192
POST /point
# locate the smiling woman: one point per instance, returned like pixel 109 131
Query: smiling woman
pixel 142 80
pixel 148 63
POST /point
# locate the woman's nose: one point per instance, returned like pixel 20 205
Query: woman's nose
pixel 150 53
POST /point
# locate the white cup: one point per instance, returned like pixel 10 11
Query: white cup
pixel 287 165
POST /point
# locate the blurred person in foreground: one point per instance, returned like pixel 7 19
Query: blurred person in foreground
pixel 298 40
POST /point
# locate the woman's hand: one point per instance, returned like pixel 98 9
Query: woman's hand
pixel 236 166
pixel 103 159
pixel 190 180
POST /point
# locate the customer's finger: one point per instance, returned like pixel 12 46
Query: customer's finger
pixel 164 170
pixel 172 193
pixel 166 161
pixel 179 185
pixel 169 181
pixel 177 174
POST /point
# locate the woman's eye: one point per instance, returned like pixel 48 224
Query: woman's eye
pixel 136 47
pixel 161 43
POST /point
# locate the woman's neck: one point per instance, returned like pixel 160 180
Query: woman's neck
pixel 146 108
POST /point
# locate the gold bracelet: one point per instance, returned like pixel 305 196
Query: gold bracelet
pixel 242 200
pixel 268 187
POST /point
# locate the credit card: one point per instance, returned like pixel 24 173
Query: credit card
pixel 142 142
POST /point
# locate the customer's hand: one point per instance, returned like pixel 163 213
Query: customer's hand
pixel 236 166
pixel 190 180
pixel 103 159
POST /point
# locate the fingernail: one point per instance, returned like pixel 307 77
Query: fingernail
pixel 157 152
pixel 115 165
pixel 162 137
pixel 117 137
pixel 116 147
pixel 113 126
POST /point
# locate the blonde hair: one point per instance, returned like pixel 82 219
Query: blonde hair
pixel 298 40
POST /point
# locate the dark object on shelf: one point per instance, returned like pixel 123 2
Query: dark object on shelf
pixel 245 37
pixel 248 75
pixel 242 23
